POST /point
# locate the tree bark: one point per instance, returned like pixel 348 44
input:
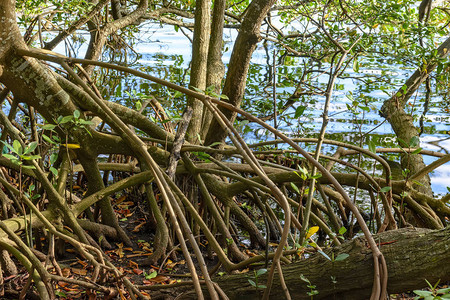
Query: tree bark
pixel 402 123
pixel 412 255
pixel 199 65
pixel 244 46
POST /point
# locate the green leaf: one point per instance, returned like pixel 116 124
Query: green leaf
pixel 302 277
pixel 317 176
pixel 8 146
pixel 28 167
pixel 324 255
pixel 356 66
pixel 414 142
pixel 224 97
pixel 197 90
pixel 17 147
pixel 417 151
pixel 48 140
pixel 54 171
pixel 295 188
pixel 65 119
pixel 85 122
pixel 48 126
pixel 261 286
pixel 423 293
pixel 151 275
pixel 341 257
pixel 260 272
pixel 36 196
pixel 252 282
pixel 76 114
pixel 10 156
pixel 53 158
pixel 342 230
pixel 177 94
pixel 402 143
pixel 30 148
pixel 60 294
pixel 385 189
pixel 299 111
pixel 372 146
pixel 31 157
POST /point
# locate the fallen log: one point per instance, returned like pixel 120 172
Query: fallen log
pixel 412 255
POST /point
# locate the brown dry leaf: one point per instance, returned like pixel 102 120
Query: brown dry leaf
pixel 138 271
pixel 159 278
pixel 244 271
pixel 66 272
pixel 92 296
pixel 249 253
pixel 81 272
pixel 145 294
pixel 71 251
pixel 121 292
pixel 121 199
pixel 62 283
pixel 133 264
pixel 71 289
pixel 123 211
pixel 138 227
pixel 170 264
pixel 129 214
pixel 128 249
pixel 83 263
pixel 144 244
pixel 147 249
pixel 119 251
pixel 76 187
pixel 147 282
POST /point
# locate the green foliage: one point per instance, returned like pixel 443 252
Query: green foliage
pixel 18 154
pixel 254 280
pixel 151 275
pixel 311 286
pixel 434 293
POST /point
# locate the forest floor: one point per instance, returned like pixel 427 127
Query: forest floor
pixel 130 261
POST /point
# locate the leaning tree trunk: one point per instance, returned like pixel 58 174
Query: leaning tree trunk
pixel 412 255
pixel 402 122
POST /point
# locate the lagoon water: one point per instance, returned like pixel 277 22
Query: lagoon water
pixel 164 52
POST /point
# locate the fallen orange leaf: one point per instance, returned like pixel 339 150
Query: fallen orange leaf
pixel 65 272
pixel 77 271
pixel 138 271
pixel 136 229
pixel 159 278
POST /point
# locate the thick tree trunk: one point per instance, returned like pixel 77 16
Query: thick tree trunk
pixel 199 65
pixel 412 255
pixel 244 46
pixel 402 122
